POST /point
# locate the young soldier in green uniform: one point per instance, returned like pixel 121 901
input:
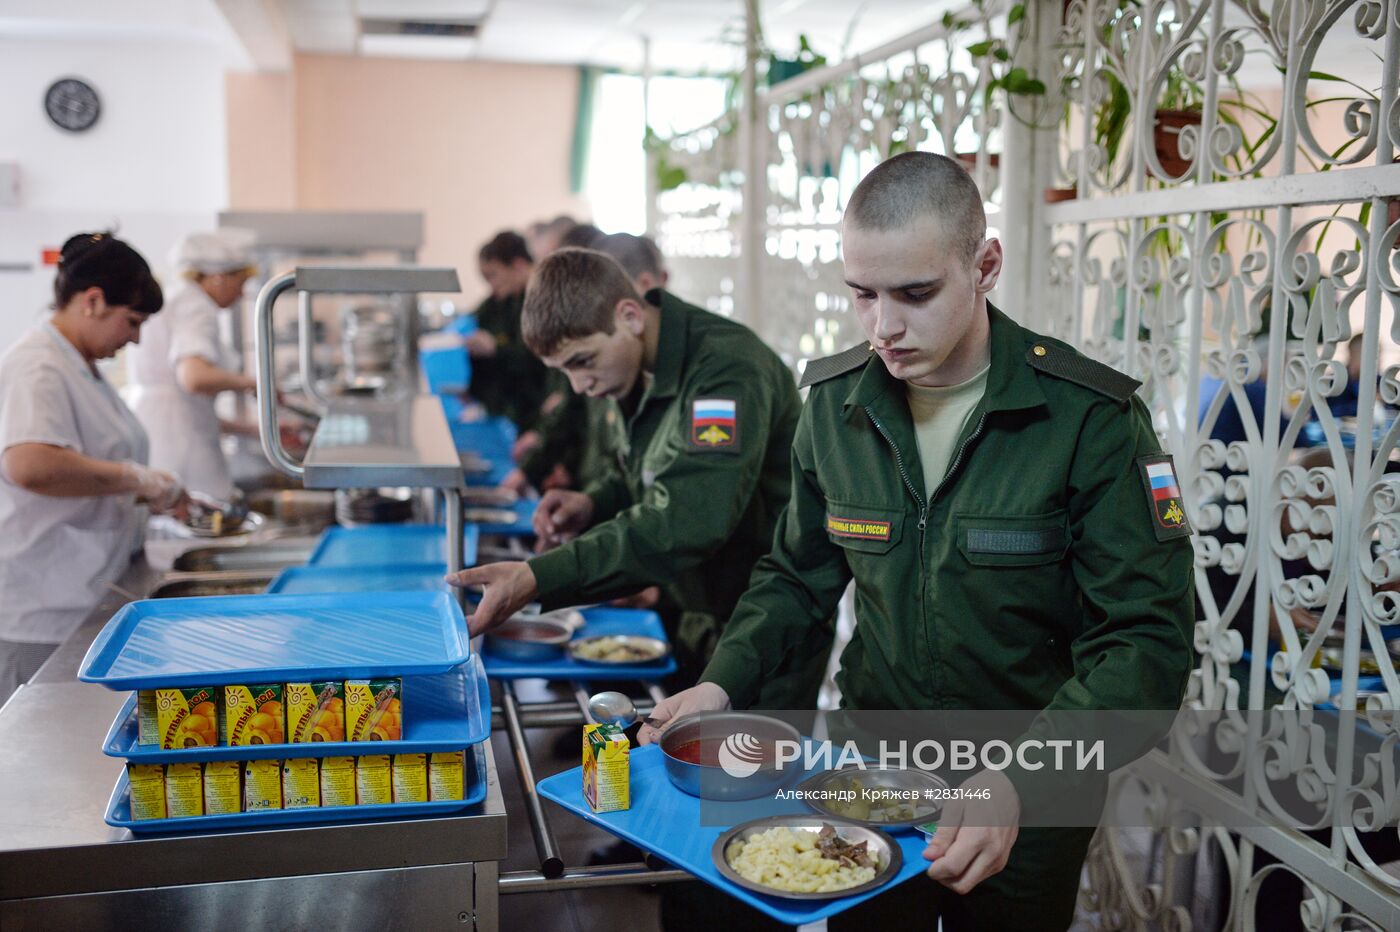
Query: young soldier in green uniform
pixel 705 414
pixel 573 449
pixel 1015 534
pixel 506 377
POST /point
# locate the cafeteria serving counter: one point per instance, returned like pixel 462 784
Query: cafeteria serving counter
pixel 62 867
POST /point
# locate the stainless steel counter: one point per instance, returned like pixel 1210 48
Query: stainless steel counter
pixel 61 866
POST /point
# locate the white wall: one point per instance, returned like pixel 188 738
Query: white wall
pixel 154 165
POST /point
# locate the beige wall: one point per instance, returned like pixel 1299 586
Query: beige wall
pixel 477 147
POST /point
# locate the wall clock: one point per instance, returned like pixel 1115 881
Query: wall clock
pixel 72 104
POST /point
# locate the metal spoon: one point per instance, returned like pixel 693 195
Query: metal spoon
pixel 614 708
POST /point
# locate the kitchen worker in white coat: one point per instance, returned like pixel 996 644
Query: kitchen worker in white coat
pixel 73 468
pixel 181 366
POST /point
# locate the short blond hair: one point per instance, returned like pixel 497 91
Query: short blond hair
pixel 572 294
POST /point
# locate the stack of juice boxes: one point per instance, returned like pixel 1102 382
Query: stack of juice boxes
pixel 273 714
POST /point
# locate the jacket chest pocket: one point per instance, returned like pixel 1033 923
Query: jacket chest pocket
pixel 864 528
pixel 1013 540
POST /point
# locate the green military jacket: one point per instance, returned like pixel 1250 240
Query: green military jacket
pixel 513 382
pixel 578 434
pixel 1042 573
pixel 702 477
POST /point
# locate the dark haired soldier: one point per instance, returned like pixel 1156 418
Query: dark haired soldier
pixel 706 413
pixel 72 455
pixel 1016 537
pixel 506 377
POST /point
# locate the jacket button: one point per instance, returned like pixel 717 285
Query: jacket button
pixel 1038 350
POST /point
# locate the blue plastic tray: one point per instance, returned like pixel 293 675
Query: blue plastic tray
pixel 446 368
pixel 597 621
pixel 119 808
pixel 445 713
pixel 524 520
pixel 490 437
pixel 410 577
pixel 381 545
pixel 165 643
pixel 666 822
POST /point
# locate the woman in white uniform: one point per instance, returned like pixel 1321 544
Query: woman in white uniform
pixel 181 367
pixel 72 456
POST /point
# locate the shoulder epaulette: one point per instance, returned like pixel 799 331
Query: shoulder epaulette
pixel 819 370
pixel 1064 363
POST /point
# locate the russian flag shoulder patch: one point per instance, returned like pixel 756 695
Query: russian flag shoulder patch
pixel 714 424
pixel 1164 499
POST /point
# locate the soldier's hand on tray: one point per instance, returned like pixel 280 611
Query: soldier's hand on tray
pixel 704 697
pixel 480 343
pixel 975 835
pixel 508 587
pixel 561 516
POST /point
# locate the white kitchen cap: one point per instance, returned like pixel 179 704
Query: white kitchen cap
pixel 225 250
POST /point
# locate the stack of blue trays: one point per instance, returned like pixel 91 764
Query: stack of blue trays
pixel 380 546
pixel 418 635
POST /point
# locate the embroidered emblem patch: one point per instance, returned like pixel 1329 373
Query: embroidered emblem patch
pixel 861 528
pixel 1164 497
pixel 714 423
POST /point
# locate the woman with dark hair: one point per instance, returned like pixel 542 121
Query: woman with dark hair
pixel 72 455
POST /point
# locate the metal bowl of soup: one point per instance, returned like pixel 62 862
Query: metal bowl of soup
pixel 728 755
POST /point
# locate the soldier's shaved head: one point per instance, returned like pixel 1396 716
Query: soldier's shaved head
pixel 904 189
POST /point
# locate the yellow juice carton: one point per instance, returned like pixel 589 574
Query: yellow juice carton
pixel 262 785
pixel 223 787
pixel 373 784
pixel 315 712
pixel 252 715
pixel 301 783
pixel 147 727
pixel 445 775
pixel 186 718
pixel 184 790
pixel 374 710
pixel 337 781
pixel 410 778
pixel 606 763
pixel 147 790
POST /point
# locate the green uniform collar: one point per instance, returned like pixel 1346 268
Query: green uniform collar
pixel 670 343
pixel 1011 384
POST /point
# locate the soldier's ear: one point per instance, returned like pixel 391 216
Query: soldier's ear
pixel 988 265
pixel 630 317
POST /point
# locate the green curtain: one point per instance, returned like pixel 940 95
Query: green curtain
pixel 583 128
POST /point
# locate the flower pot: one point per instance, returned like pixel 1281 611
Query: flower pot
pixel 1166 139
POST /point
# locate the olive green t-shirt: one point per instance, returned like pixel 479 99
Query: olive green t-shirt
pixel 939 415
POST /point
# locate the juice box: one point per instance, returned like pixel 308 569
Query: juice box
pixel 410 778
pixel 262 785
pixel 373 784
pixel 373 710
pixel 315 712
pixel 606 763
pixel 223 787
pixel 301 783
pixel 337 781
pixel 445 775
pixel 184 790
pixel 186 718
pixel 147 727
pixel 252 715
pixel 147 790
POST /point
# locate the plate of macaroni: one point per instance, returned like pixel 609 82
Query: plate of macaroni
pixel 618 649
pixel 807 858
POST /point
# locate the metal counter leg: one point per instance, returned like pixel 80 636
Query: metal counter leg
pixel 551 864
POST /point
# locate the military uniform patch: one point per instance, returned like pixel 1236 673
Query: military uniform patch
pixel 714 424
pixel 859 528
pixel 1164 497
